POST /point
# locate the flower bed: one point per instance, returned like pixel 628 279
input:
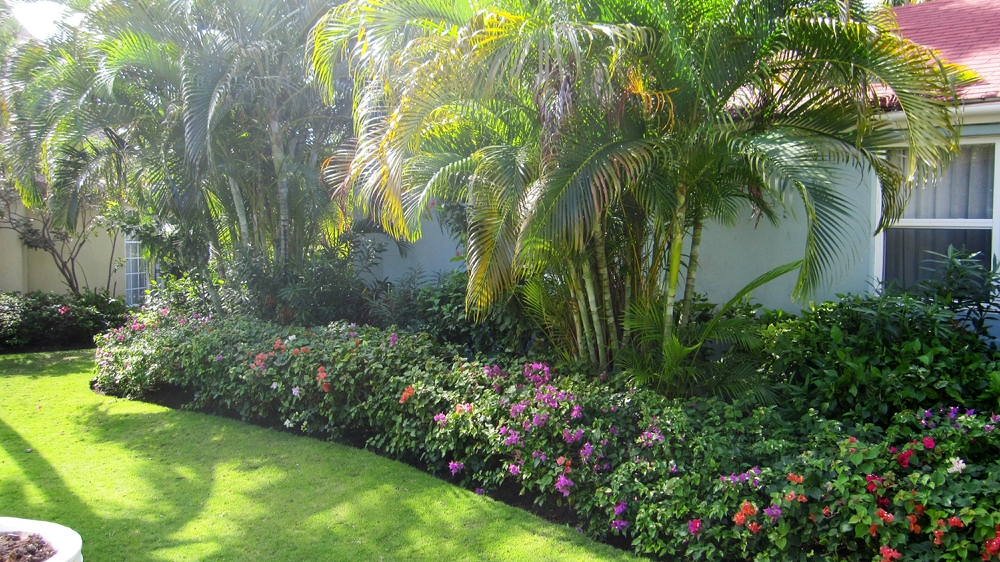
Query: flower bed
pixel 674 478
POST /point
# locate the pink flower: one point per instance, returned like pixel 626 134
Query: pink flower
pixel 514 469
pixel 441 419
pixel 928 443
pixel 393 338
pixel 455 467
pixel 563 485
pixel 694 526
pixel 619 525
pixel 904 458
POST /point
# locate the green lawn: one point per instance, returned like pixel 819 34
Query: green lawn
pixel 143 482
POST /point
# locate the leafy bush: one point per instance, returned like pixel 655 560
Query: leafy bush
pixel 50 320
pixel 676 478
pixel 869 357
pixel 438 309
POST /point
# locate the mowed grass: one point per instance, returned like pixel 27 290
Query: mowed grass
pixel 142 482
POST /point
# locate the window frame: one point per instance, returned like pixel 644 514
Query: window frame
pixel 143 268
pixel 953 224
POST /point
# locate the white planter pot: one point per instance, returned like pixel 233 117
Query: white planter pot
pixel 66 542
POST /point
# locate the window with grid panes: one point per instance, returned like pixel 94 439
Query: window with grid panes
pixel 136 273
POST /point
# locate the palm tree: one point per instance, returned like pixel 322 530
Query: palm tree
pixel 562 124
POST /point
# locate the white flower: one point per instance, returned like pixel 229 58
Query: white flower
pixel 291 337
pixel 288 423
pixel 957 465
pixel 274 385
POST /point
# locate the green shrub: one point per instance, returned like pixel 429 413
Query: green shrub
pixel 50 320
pixel 869 357
pixel 438 309
pixel 669 476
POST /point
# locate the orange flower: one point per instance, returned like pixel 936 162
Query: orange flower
pixel 754 527
pixel 322 373
pixel 326 387
pixel 795 479
pixel 803 499
pixel 826 511
pixel 790 496
pixel 873 529
pixel 295 351
pixel 739 518
pixel 407 393
pixel 913 523
pixel 938 535
pixel 748 509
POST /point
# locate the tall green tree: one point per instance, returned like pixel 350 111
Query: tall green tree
pixel 562 124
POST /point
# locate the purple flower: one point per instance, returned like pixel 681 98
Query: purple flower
pixel 295 391
pixel 455 467
pixel 650 436
pixel 995 418
pixel 480 491
pixel 586 451
pixel 514 469
pixel 218 358
pixel 774 512
pixel 513 438
pixel 673 467
pixel 563 485
pixel 619 525
pixel 927 414
pixel 539 419
pixel 970 413
pixel 393 338
pixel 517 409
pixel 620 508
pixel 576 412
pixel 441 419
pixel 952 412
pixel 988 428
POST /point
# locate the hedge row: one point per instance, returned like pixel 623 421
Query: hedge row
pixel 699 479
pixel 50 320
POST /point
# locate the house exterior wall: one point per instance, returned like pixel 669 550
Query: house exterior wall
pixel 25 270
pixel 433 253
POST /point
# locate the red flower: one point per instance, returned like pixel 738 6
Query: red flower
pixel 938 534
pixel 748 509
pixel 326 387
pixel 739 518
pixel 885 516
pixel 954 521
pixel 882 502
pixel 873 483
pixel 852 439
pixel 754 527
pixel 904 458
pixel 827 512
pixel 929 443
pixel 873 529
pixel 889 554
pixel 795 479
pixel 790 497
pixel 913 523
pixel 407 393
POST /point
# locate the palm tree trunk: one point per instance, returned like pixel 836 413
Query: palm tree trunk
pixel 582 311
pixel 241 211
pixel 599 339
pixel 602 271
pixel 278 159
pixel 691 271
pixel 673 274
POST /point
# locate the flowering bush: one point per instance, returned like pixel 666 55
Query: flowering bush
pixel 50 320
pixel 691 479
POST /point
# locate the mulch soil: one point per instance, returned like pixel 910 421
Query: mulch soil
pixel 22 547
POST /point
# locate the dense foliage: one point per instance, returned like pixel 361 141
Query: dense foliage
pixel 50 320
pixel 693 478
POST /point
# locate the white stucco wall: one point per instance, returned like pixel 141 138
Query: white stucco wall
pixel 731 257
pixel 433 253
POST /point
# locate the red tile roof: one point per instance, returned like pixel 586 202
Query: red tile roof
pixel 966 32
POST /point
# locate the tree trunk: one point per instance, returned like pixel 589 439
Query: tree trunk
pixel 607 311
pixel 673 273
pixel 691 271
pixel 241 211
pixel 583 310
pixel 278 159
pixel 600 340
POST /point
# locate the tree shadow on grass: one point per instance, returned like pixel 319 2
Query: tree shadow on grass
pixel 227 487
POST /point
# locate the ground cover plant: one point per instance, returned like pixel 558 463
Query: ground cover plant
pixel 698 478
pixel 143 482
pixel 52 321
